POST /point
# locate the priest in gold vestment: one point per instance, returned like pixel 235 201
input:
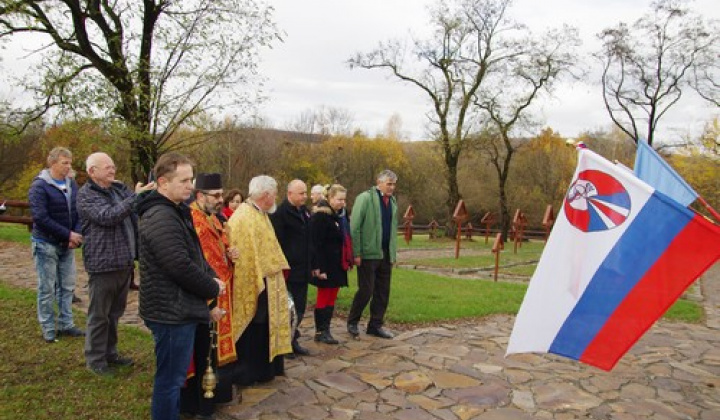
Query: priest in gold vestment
pixel 261 317
pixel 220 256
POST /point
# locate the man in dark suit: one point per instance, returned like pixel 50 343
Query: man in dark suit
pixel 292 230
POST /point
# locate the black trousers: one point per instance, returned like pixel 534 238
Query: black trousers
pixel 373 286
pixel 253 350
pixel 192 400
pixel 298 291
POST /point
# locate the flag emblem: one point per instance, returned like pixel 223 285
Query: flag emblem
pixel 596 202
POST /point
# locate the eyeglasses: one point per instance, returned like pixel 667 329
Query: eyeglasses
pixel 217 195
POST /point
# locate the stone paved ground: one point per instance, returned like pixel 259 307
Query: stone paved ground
pixel 458 371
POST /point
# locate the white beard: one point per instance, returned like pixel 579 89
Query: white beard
pixel 272 209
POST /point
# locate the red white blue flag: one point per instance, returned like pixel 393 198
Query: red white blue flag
pixel 620 254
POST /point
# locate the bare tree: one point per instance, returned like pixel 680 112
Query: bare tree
pixel 647 65
pixel 393 128
pixel 462 70
pixel 528 74
pixel 326 121
pixel 153 64
pixel 706 74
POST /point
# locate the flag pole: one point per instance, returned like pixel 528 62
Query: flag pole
pixel 709 208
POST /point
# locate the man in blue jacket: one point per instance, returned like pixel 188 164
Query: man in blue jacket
pixel 109 227
pixel 55 235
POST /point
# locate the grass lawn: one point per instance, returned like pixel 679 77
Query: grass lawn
pixel 14 233
pixel 529 256
pixel 528 252
pixel 424 242
pixel 418 297
pixel 49 381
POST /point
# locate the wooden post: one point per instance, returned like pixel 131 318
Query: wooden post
pixel 459 216
pixel 548 221
pixel 523 226
pixel 497 247
pixel 408 217
pixel 488 220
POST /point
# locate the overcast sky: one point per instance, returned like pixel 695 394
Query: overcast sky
pixel 309 69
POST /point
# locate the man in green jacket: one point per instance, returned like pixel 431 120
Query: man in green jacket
pixel 373 226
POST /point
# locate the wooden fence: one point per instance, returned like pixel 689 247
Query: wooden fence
pixel 16 211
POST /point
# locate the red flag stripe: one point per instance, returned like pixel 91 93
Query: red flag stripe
pixel 692 252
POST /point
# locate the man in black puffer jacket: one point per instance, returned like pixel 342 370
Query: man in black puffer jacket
pixel 175 279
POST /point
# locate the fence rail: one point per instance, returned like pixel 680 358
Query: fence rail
pixel 15 211
pixel 476 231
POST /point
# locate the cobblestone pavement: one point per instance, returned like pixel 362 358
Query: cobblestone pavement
pixel 458 371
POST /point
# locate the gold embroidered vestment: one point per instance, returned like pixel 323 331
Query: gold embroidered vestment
pixel 259 267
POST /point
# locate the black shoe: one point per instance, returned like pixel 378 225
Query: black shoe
pixel 299 350
pixel 325 337
pixel 101 370
pixel 353 330
pixel 380 332
pixel 121 361
pixel 76 299
pixel 50 340
pixel 71 332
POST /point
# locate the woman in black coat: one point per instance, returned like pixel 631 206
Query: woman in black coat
pixel 332 257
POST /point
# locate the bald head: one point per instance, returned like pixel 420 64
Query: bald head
pixel 101 169
pixel 297 192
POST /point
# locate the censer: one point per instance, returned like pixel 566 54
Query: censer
pixel 209 380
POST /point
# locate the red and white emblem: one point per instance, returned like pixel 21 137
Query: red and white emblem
pixel 596 202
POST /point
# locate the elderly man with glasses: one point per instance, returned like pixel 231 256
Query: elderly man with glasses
pixel 109 226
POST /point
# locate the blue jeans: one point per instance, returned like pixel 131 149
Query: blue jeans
pixel 55 266
pixel 173 350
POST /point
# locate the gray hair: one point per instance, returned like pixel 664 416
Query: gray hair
pixel 317 189
pixel 93 159
pixel 260 185
pixel 387 175
pixel 56 153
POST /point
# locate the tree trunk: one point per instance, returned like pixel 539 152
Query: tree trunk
pixel 504 210
pixel 453 198
pixel 143 156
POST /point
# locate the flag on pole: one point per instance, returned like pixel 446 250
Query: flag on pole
pixel 654 170
pixel 618 257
